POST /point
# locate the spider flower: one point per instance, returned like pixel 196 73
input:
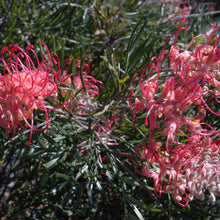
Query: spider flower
pixel 86 89
pixel 25 84
pixel 189 171
pixel 185 161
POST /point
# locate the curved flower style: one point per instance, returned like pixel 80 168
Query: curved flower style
pixel 176 110
pixel 86 90
pixel 24 87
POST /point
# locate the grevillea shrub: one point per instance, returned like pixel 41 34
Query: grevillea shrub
pixel 183 150
pixel 25 83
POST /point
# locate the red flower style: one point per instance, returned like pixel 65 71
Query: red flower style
pixel 24 85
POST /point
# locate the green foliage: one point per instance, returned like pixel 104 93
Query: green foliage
pixel 58 176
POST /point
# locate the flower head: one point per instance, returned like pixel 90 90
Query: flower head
pixel 189 171
pixel 185 163
pixel 24 85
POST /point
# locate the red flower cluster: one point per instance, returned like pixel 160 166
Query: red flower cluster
pixel 26 82
pixel 24 87
pixel 188 169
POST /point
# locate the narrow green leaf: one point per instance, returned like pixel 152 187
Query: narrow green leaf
pixel 134 39
pixel 62 54
pixel 51 163
pixel 101 191
pixel 131 216
pixel 89 192
pixel 3 4
pixel 73 71
pixel 137 212
pixel 67 95
pixel 82 78
pixel 37 154
pixel 63 176
pixel 59 137
pixel 155 210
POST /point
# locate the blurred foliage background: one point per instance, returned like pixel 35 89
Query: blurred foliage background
pixel 52 178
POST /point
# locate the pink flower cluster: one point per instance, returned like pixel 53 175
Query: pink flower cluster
pixel 24 85
pixel 183 152
pixel 186 172
pixel 81 100
pixel 27 82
